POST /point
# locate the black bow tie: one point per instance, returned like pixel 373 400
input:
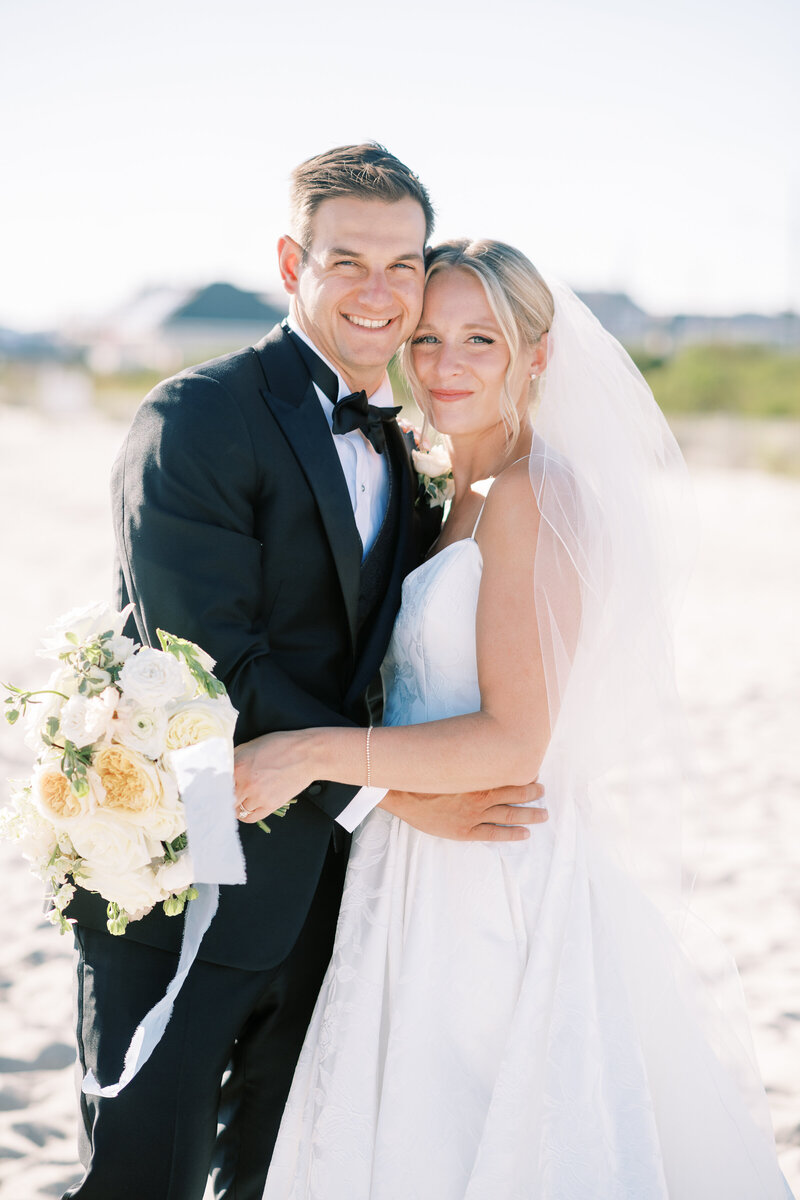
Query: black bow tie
pixel 356 412
pixel 351 412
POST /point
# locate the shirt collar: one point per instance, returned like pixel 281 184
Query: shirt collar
pixel 382 396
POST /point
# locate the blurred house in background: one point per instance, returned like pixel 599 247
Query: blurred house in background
pixel 166 329
pixel 637 329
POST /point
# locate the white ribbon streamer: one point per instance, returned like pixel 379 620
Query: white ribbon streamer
pixel 205 783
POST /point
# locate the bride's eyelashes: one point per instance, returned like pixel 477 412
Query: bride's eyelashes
pixel 429 339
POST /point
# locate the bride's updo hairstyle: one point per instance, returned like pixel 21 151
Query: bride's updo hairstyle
pixel 518 296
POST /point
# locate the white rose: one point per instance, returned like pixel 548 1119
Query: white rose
pixel 38 842
pixel 85 721
pixel 203 718
pixel 140 728
pixel 176 877
pixel 432 463
pixel 136 891
pixel 84 623
pixel 152 678
pixel 110 843
pixel 121 647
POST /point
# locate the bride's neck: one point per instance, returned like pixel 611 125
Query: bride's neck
pixel 484 455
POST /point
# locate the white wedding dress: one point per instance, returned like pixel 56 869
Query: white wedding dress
pixel 501 1022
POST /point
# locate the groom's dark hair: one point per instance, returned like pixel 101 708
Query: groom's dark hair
pixel 368 172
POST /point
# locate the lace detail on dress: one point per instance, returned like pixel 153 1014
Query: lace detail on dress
pixel 430 670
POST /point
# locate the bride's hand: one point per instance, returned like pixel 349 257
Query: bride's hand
pixel 270 771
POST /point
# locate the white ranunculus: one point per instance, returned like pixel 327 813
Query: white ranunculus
pixel 141 729
pixel 136 891
pixel 86 720
pixel 107 841
pixel 176 877
pixel 152 678
pixel 84 623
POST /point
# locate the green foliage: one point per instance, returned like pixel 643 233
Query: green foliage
pixel 748 381
pixel 196 660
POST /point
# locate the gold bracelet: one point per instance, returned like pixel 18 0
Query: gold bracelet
pixel 369 768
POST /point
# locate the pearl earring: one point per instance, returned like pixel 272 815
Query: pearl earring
pixel 533 375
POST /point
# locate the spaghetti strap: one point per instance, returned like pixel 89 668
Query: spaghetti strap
pixel 477 523
pixel 483 506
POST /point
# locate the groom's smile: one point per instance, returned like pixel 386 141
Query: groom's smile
pixel 357 288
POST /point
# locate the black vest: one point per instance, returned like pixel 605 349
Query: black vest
pixel 376 570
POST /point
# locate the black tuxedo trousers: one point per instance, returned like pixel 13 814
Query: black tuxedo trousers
pixel 234 528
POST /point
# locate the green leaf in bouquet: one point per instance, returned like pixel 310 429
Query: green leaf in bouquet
pixel 173 849
pixel 72 638
pixel 189 653
pixel 279 812
pixel 80 785
pixel 19 700
pixel 52 726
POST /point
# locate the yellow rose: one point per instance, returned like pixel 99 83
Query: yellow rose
pixel 200 720
pixel 131 782
pixel 54 797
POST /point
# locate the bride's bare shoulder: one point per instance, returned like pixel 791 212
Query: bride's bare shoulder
pixel 511 515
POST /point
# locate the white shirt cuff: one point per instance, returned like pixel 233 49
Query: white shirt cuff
pixel 360 806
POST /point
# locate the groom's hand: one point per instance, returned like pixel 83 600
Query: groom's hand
pixel 487 816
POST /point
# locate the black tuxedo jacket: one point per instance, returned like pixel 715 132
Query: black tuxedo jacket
pixel 234 529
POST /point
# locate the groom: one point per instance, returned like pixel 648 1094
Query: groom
pixel 264 508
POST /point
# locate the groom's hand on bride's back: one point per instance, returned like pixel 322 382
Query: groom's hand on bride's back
pixel 499 815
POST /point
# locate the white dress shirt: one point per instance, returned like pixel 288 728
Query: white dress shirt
pixel 366 474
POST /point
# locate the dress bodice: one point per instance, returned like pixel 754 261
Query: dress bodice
pixel 431 670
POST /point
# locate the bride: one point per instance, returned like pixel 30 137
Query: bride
pixel 522 1019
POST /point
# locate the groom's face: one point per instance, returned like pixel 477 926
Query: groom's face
pixel 357 292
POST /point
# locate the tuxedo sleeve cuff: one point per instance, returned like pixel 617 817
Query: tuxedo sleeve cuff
pixel 360 806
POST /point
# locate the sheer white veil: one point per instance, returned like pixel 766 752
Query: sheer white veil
pixel 613 550
pixel 615 544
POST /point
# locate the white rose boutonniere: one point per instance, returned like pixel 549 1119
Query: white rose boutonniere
pixel 435 474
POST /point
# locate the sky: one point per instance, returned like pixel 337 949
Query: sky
pixel 634 145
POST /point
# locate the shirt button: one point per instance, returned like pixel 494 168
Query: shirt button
pixel 363 487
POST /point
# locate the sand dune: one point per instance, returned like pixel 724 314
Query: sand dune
pixel 739 665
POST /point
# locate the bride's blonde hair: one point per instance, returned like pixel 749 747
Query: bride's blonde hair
pixel 519 298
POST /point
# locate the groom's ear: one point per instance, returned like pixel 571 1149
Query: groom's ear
pixel 290 258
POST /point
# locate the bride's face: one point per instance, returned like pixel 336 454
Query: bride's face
pixel 461 357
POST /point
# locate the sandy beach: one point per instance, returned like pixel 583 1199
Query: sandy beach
pixel 739 669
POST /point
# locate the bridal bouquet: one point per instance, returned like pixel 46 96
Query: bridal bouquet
pixel 102 807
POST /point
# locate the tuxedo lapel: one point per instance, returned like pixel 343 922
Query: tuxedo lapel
pixel 294 403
